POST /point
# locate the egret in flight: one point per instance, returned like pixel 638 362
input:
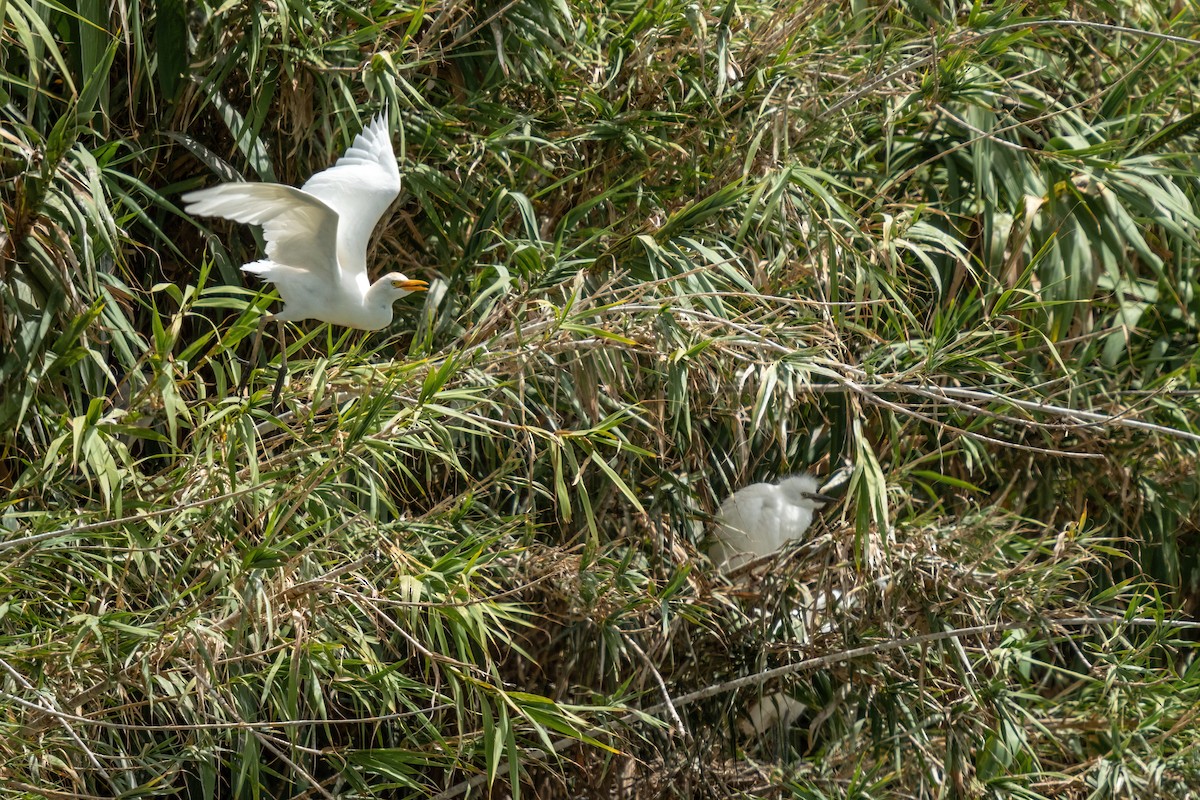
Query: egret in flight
pixel 761 518
pixel 317 236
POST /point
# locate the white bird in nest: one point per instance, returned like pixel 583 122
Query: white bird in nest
pixel 776 712
pixel 317 236
pixel 761 518
pixel 756 521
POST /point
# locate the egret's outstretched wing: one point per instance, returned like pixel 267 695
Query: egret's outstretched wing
pixel 300 229
pixel 359 187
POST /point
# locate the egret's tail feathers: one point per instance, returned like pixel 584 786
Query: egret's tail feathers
pixel 261 268
pixel 273 271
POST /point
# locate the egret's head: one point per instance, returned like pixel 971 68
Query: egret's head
pixel 802 490
pixel 399 286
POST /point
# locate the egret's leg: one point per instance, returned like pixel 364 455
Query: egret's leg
pixel 278 390
pixel 254 351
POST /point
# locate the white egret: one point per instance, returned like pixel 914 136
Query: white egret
pixel 317 235
pixel 761 518
pixel 776 712
pixel 757 521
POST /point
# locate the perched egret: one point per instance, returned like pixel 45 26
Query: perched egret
pixel 317 235
pixel 759 519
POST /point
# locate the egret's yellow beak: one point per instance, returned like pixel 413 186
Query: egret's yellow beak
pixel 411 286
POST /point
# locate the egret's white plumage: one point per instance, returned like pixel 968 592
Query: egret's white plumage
pixel 317 235
pixel 759 519
pixel 774 712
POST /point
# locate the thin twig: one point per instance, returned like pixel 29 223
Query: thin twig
pixel 899 409
pixel 66 717
pixel 662 687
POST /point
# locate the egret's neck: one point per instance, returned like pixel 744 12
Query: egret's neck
pixel 363 283
pixel 377 305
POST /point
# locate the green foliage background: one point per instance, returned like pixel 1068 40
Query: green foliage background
pixel 944 253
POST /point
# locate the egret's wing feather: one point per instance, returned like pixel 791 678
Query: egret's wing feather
pixel 760 519
pixel 773 525
pixel 359 187
pixel 786 517
pixel 743 527
pixel 301 230
pixel 778 711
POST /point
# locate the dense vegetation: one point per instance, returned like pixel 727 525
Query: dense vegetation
pixel 943 254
